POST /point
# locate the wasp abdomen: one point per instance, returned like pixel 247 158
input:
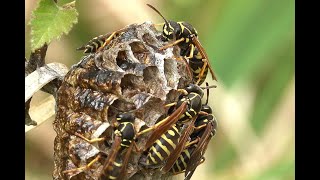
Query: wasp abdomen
pixel 163 147
pixel 181 163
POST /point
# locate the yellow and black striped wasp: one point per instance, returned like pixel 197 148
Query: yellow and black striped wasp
pixel 99 42
pixel 166 141
pixel 204 129
pixel 193 154
pixel 186 37
pixel 115 164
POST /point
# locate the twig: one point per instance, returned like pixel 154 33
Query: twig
pixel 38 76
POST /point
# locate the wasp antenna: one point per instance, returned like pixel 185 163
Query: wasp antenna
pixel 207 84
pixel 209 87
pixel 165 20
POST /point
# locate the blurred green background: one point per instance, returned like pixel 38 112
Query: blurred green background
pixel 251 48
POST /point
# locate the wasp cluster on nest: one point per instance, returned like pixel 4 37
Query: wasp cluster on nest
pixel 130 74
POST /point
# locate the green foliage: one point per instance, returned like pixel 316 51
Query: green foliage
pixel 272 84
pixel 227 156
pixel 246 34
pixel 284 169
pixel 50 21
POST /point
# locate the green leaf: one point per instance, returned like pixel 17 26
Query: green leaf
pixel 50 21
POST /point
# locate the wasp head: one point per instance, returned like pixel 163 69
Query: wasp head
pixel 125 117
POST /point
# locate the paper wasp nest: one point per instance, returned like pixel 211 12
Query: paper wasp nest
pixel 129 74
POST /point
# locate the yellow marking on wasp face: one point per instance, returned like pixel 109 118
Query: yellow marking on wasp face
pixel 165 29
pixel 171 27
pixel 168 141
pixel 157 153
pixel 117 164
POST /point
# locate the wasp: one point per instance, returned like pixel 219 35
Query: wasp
pixel 166 141
pixel 115 165
pixel 99 42
pixel 186 37
pixel 193 155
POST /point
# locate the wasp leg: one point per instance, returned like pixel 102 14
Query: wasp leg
pixel 107 40
pixel 170 104
pixel 179 111
pixel 152 127
pixel 200 127
pixel 83 167
pixel 191 52
pixel 172 44
pixel 89 140
pixel 192 142
pixel 203 113
pixel 205 63
pixel 138 150
pixel 188 68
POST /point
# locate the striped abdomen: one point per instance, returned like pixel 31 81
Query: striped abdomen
pixel 113 171
pixel 181 163
pixel 99 42
pixel 163 147
pixel 196 64
pixel 94 44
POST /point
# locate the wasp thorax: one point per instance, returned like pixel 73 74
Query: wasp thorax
pixel 206 108
pixel 194 88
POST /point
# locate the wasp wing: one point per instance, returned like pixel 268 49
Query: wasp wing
pixel 180 147
pixel 197 154
pixel 165 125
pixel 125 162
pixel 204 55
pixel 112 155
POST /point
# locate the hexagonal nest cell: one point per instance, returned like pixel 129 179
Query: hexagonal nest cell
pixel 129 74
